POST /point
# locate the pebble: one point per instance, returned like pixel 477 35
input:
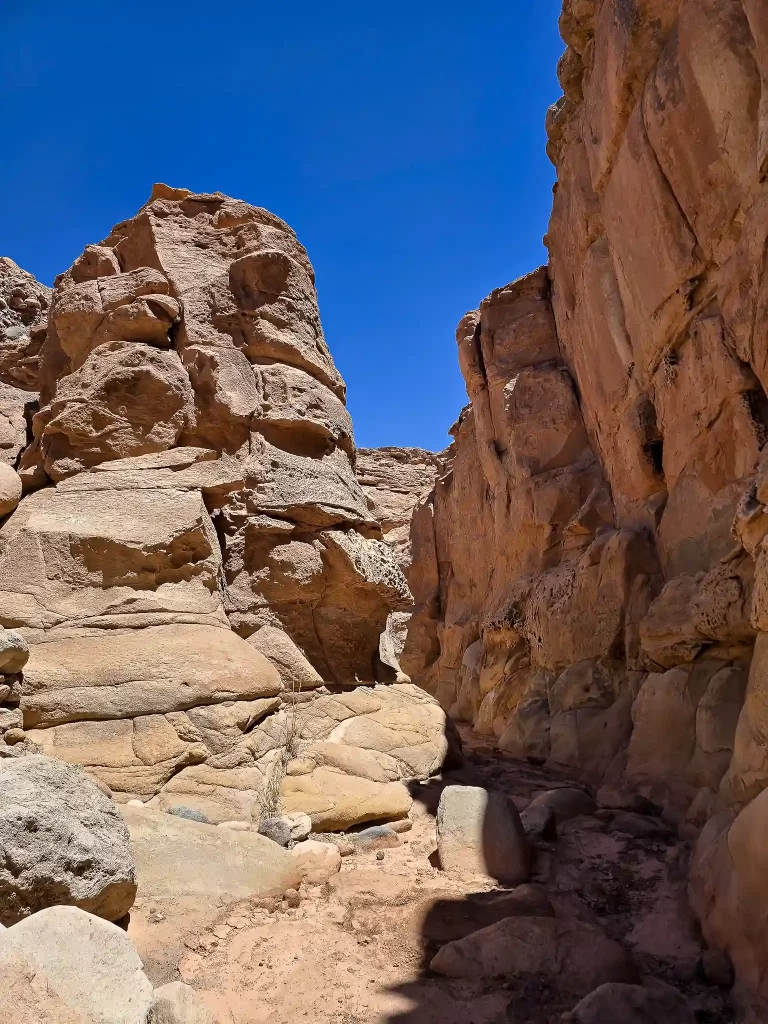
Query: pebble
pixel 401 826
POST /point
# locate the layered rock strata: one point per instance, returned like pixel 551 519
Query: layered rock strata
pixel 195 566
pixel 605 608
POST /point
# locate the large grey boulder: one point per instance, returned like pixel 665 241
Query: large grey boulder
pixel 85 965
pixel 62 841
pixel 480 832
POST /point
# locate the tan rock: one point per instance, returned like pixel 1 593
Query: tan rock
pixel 335 800
pixel 10 489
pixel 26 993
pixel 317 861
pixel 152 671
pixel 15 405
pixel 176 858
pixel 177 1003
pixel 277 647
pixel 126 399
pixel 88 965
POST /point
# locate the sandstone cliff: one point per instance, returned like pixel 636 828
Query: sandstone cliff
pixel 194 566
pixel 589 572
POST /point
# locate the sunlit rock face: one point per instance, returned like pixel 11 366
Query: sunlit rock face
pixel 589 571
pixel 191 485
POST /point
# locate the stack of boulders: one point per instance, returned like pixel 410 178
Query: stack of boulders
pixel 194 566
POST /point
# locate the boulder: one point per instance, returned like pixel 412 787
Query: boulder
pixel 633 1004
pixel 480 832
pixel 277 830
pixel 574 957
pixel 377 837
pixel 62 841
pixel 87 964
pixel 25 994
pixel 10 489
pixel 126 399
pixel 446 919
pixel 565 803
pixel 177 1003
pixel 177 858
pixel 317 861
pixel 335 801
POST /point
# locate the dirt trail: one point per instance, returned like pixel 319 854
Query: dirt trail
pixel 356 950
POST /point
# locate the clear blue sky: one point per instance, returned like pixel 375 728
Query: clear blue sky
pixel 404 142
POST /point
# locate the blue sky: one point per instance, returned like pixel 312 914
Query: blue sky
pixel 404 142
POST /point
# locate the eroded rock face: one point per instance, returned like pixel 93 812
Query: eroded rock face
pixel 394 481
pixel 191 487
pixel 24 306
pixel 589 569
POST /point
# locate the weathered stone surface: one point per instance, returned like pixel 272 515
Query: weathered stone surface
pixel 126 399
pixel 10 489
pixel 601 610
pixel 633 1004
pixel 86 964
pixel 480 832
pixel 142 672
pixel 24 305
pixel 177 858
pixel 16 410
pixel 317 861
pixel 62 842
pixel 334 800
pixel 26 994
pixel 277 647
pixel 394 480
pixel 14 652
pixel 177 1003
pixel 573 956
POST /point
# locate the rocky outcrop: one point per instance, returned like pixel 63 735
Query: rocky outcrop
pixel 605 610
pixel 394 481
pixel 194 549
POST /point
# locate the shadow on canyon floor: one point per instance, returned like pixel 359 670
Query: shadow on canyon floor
pixel 622 871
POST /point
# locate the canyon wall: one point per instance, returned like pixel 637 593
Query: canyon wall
pixel 194 566
pixel 590 569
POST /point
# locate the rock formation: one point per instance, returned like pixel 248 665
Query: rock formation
pixel 195 567
pixel 605 611
pixel 394 481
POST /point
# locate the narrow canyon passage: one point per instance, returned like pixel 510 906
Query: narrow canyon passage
pixel 357 949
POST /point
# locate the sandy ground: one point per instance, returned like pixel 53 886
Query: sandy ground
pixel 356 950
